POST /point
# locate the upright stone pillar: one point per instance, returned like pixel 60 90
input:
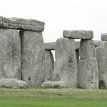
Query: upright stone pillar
pixel 65 69
pixel 10 54
pixel 49 65
pixel 88 67
pixel 33 57
pixel 102 62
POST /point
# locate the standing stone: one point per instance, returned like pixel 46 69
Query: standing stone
pixel 104 36
pixel 88 67
pixel 65 69
pixel 49 65
pixel 10 54
pixel 32 57
pixel 102 64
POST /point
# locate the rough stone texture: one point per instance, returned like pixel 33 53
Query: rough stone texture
pixel 102 64
pixel 65 70
pixel 88 66
pixel 77 45
pixel 54 84
pixel 49 65
pixel 104 36
pixel 78 34
pixel 50 46
pixel 33 55
pixel 97 43
pixel 21 24
pixel 13 83
pixel 10 54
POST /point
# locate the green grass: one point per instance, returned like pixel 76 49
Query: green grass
pixel 38 97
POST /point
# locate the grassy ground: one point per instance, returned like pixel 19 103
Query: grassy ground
pixel 52 98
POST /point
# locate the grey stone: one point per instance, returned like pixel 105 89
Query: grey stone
pixel 104 36
pixel 50 46
pixel 33 55
pixel 49 65
pixel 21 24
pixel 97 43
pixel 88 66
pixel 102 64
pixel 10 54
pixel 78 34
pixel 65 69
pixel 54 84
pixel 13 83
pixel 77 44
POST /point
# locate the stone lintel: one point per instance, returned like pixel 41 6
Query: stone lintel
pixel 78 34
pixel 21 24
pixel 104 36
pixel 51 45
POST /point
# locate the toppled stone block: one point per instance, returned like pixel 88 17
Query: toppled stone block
pixel 33 56
pixel 10 54
pixel 54 84
pixel 104 36
pixel 49 65
pixel 21 24
pixel 13 83
pixel 78 34
pixel 88 66
pixel 102 64
pixel 50 46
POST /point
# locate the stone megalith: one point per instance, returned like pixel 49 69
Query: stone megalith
pixel 65 68
pixel 10 54
pixel 33 54
pixel 49 65
pixel 88 66
pixel 102 62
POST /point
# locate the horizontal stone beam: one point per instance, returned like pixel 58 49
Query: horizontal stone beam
pixel 104 36
pixel 78 34
pixel 52 45
pixel 21 24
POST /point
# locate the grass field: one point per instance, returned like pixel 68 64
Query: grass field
pixel 35 97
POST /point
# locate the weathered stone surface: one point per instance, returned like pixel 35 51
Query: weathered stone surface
pixel 97 43
pixel 21 24
pixel 33 55
pixel 65 69
pixel 13 83
pixel 49 65
pixel 102 64
pixel 10 54
pixel 50 46
pixel 54 84
pixel 88 66
pixel 104 36
pixel 78 34
pixel 77 45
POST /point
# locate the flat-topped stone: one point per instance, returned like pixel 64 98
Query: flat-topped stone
pixel 104 36
pixel 78 34
pixel 21 24
pixel 50 46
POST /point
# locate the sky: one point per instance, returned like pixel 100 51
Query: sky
pixel 60 15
